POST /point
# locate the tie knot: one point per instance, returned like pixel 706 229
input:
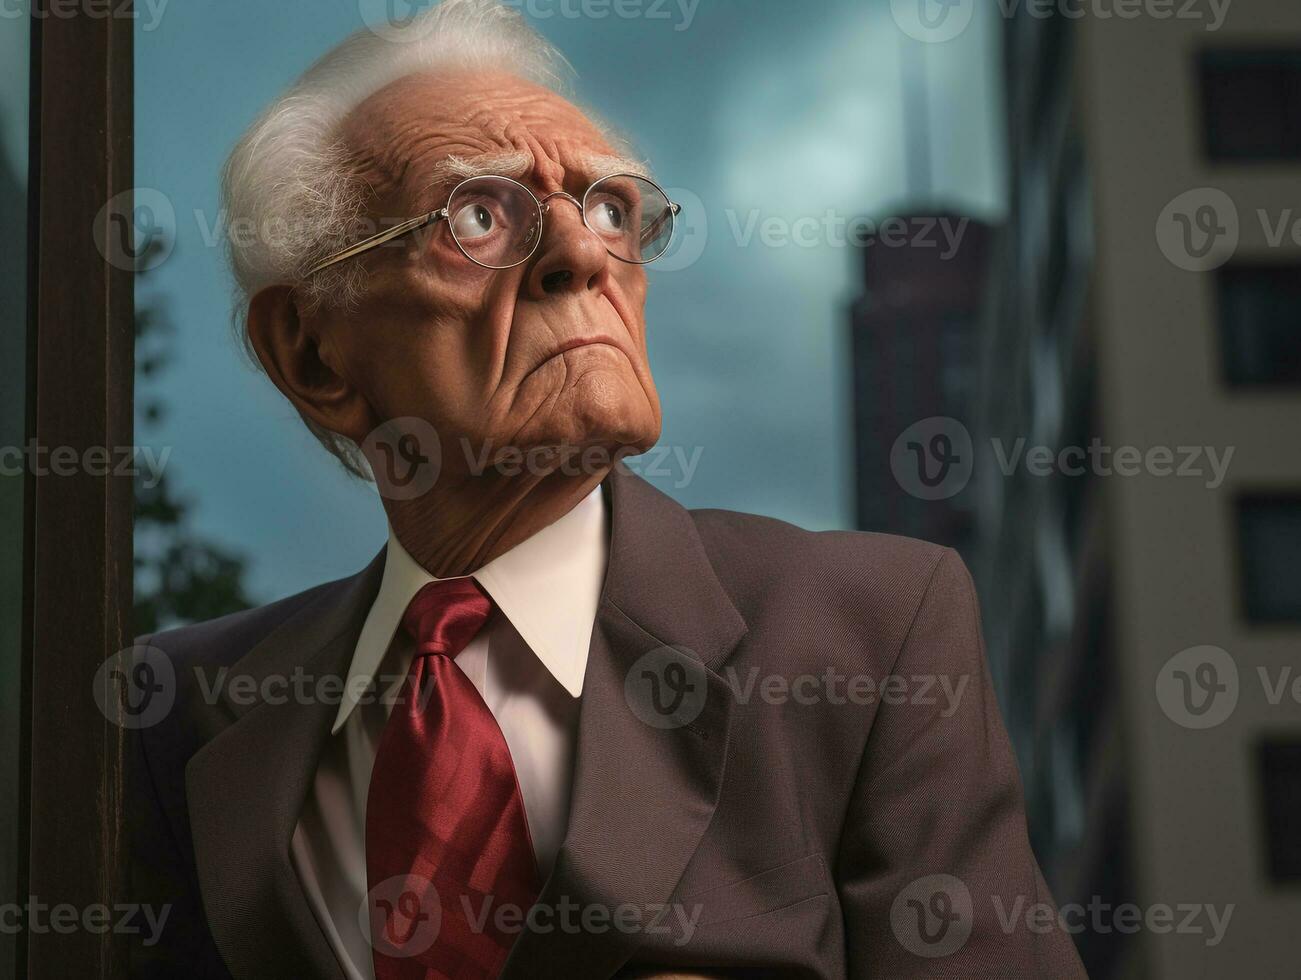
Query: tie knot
pixel 445 615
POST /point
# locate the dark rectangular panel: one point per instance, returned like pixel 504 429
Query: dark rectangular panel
pixel 1259 317
pixel 15 75
pixel 1251 104
pixel 1269 541
pixel 80 521
pixel 1279 764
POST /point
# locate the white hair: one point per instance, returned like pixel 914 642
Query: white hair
pixel 288 196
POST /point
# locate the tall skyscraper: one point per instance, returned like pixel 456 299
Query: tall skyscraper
pixel 913 338
pixel 1142 604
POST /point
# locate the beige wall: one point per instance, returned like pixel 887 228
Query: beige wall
pixel 1195 795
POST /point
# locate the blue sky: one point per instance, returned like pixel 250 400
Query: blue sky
pixel 749 111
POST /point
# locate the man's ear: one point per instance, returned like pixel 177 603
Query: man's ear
pixel 292 354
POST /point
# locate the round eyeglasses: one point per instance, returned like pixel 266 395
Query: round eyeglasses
pixel 496 221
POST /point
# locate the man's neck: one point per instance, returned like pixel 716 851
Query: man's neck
pixel 460 530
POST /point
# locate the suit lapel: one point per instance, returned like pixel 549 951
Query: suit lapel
pixel 652 739
pixel 247 785
pixel 652 744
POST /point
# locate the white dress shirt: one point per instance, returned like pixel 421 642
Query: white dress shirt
pixel 528 666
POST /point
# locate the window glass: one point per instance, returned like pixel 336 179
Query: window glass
pixel 1260 324
pixel 15 38
pixel 1270 540
pixel 1252 104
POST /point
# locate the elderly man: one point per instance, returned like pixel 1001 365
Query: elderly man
pixel 560 726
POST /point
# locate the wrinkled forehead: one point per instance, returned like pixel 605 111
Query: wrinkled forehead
pixel 420 135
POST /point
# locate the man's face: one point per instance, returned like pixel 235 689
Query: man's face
pixel 549 353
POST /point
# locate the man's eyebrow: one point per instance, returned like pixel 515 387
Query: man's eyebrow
pixel 603 164
pixel 454 168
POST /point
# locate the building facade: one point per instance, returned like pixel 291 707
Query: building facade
pixel 1139 577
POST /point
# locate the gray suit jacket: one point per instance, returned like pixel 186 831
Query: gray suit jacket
pixel 743 763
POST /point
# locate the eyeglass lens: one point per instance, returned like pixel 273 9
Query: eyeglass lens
pixel 496 222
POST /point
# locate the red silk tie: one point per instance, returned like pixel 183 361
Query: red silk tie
pixel 449 860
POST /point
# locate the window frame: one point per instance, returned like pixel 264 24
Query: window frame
pixel 77 528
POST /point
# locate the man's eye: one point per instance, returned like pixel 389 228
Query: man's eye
pixel 471 222
pixel 608 216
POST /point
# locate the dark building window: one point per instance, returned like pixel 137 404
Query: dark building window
pixel 1251 102
pixel 1280 780
pixel 1260 324
pixel 1269 541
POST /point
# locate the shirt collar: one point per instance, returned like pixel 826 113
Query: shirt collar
pixel 547 586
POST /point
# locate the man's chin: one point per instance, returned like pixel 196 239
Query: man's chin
pixel 616 414
pixel 588 436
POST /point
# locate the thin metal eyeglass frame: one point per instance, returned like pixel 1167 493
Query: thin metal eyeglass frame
pixel 543 206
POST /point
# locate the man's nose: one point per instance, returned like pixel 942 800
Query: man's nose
pixel 571 257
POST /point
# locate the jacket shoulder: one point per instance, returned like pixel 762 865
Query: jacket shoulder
pixel 222 641
pixel 771 547
pixel 864 586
